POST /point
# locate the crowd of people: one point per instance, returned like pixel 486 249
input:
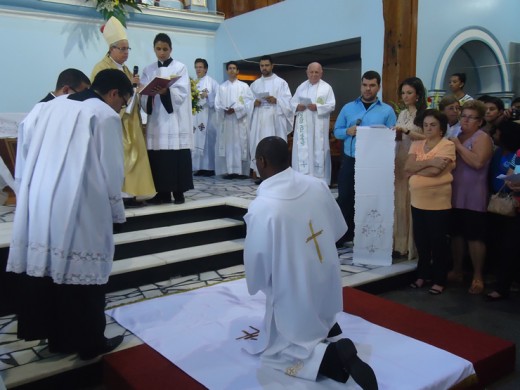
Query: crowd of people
pixel 446 166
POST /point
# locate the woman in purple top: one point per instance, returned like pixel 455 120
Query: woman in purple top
pixel 470 193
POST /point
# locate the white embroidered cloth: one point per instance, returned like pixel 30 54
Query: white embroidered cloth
pixel 203 332
pixel 374 210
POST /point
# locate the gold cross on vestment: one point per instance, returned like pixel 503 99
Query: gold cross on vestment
pixel 313 237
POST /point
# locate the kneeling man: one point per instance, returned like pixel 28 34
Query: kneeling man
pixel 290 255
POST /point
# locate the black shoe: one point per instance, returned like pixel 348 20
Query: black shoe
pixel 209 173
pixel 155 200
pixel 110 345
pixel 199 173
pixel 360 371
pixel 132 203
pixel 258 181
pixel 228 177
pixel 178 198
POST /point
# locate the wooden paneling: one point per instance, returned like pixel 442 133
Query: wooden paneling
pixel 399 60
pixel 232 8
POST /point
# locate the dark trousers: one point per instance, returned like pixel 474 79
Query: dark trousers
pixel 346 194
pixel 431 235
pixel 503 250
pixel 71 317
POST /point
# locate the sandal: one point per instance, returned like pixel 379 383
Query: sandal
pixel 436 290
pixel 477 287
pixel 417 284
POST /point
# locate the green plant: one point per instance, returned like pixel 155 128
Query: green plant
pixel 116 8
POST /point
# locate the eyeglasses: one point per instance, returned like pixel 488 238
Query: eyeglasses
pixel 469 118
pixel 123 49
pixel 125 102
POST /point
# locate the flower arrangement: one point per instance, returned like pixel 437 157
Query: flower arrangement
pixel 433 100
pixel 116 8
pixel 195 97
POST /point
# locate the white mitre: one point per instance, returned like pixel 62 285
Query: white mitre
pixel 114 31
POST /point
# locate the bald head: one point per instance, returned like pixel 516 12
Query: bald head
pixel 314 72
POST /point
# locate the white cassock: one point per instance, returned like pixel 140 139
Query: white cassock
pixel 204 130
pixel 299 273
pixel 232 151
pixel 270 119
pixel 70 193
pixel 166 131
pixel 311 147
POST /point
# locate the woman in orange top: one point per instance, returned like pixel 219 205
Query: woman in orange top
pixel 429 164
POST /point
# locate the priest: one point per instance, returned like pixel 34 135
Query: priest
pixel 70 195
pixel 272 112
pixel 204 131
pixel 313 103
pixel 290 255
pixel 138 175
pixel 232 105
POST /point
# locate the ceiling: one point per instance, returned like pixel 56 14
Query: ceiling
pixel 326 54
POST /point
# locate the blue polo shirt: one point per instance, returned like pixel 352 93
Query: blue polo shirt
pixel 378 113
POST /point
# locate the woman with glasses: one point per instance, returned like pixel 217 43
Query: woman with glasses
pixel 470 193
pixel 138 175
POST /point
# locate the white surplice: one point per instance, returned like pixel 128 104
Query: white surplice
pixel 166 131
pixel 70 193
pixel 290 255
pixel 311 147
pixel 270 119
pixel 204 130
pixel 233 129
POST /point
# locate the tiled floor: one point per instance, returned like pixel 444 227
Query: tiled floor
pixel 22 362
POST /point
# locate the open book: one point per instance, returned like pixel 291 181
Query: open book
pixel 159 83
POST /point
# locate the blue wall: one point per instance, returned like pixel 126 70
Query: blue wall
pixel 440 21
pixel 39 39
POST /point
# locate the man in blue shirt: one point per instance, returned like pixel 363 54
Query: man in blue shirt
pixel 366 110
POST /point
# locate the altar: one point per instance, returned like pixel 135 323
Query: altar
pixel 8 136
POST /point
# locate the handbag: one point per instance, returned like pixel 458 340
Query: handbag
pixel 503 203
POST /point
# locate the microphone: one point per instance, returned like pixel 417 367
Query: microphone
pixel 136 72
pixel 358 122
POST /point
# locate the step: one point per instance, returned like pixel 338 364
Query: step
pixel 160 266
pixel 175 230
pixel 176 256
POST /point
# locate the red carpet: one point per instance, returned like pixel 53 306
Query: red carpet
pixel 143 368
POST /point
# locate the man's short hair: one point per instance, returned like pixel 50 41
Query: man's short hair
pixel 109 79
pixel 232 63
pixel 371 75
pixel 493 100
pixel 202 61
pixel 72 78
pixel 266 58
pixel 275 150
pixel 461 76
pixel 162 37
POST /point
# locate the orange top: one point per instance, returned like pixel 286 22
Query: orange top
pixel 432 193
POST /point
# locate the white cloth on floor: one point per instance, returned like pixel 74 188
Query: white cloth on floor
pixel 204 332
pixel 374 178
